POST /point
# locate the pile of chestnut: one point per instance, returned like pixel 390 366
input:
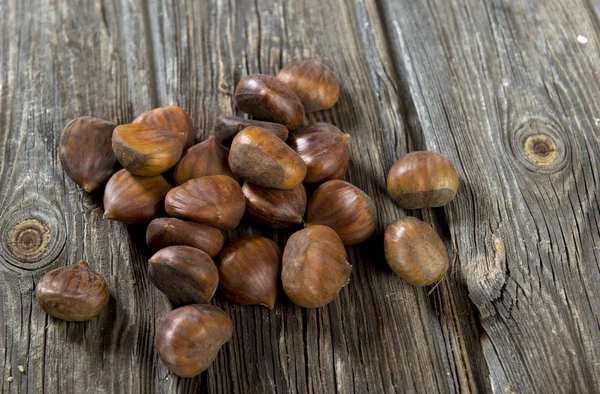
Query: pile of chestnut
pixel 199 189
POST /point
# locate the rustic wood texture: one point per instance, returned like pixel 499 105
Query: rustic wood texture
pixel 504 88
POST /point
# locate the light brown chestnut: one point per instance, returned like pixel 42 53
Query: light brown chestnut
pixel 164 232
pixel 324 149
pixel 415 252
pixel 266 98
pixel 134 199
pixel 422 180
pixel 275 208
pixel 312 82
pixel 227 127
pixel 184 274
pixel 172 118
pixel 216 200
pixel 206 158
pixel 314 267
pixel 144 149
pixel 249 270
pixel 345 208
pixel 263 159
pixel 72 293
pixel 189 338
pixel 85 151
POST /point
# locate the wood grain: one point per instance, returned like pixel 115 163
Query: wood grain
pixel 504 89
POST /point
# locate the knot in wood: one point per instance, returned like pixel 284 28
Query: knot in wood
pixel 540 145
pixel 541 150
pixel 32 235
pixel 28 240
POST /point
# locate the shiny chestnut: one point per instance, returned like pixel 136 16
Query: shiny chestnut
pixel 206 158
pixel 227 127
pixel 266 98
pixel 172 118
pixel 275 208
pixel 422 180
pixel 164 232
pixel 415 252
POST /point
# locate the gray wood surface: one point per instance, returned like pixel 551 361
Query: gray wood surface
pixel 503 88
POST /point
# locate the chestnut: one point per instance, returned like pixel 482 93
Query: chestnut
pixel 72 293
pixel 216 200
pixel 189 338
pixel 172 118
pixel 263 159
pixel 85 151
pixel 314 266
pixel 184 274
pixel 275 208
pixel 266 98
pixel 324 149
pixel 227 127
pixel 415 252
pixel 345 208
pixel 312 82
pixel 203 159
pixel 163 232
pixel 249 271
pixel 422 180
pixel 134 199
pixel 144 149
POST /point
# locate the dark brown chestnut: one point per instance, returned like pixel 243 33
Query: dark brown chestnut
pixel 422 180
pixel 85 151
pixel 312 82
pixel 163 232
pixel 324 149
pixel 314 267
pixel 203 159
pixel 216 200
pixel 275 208
pixel 134 199
pixel 227 127
pixel 145 149
pixel 263 159
pixel 345 208
pixel 266 98
pixel 72 293
pixel 189 338
pixel 184 274
pixel 415 252
pixel 249 271
pixel 172 118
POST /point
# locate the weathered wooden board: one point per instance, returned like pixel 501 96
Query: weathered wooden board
pixel 503 89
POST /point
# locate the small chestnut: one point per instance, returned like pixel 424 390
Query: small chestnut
pixel 422 180
pixel 189 338
pixel 324 149
pixel 275 208
pixel 345 208
pixel 315 268
pixel 134 199
pixel 72 293
pixel 172 118
pixel 163 232
pixel 227 127
pixel 145 149
pixel 85 151
pixel 249 271
pixel 415 252
pixel 263 159
pixel 206 158
pixel 216 200
pixel 184 274
pixel 266 98
pixel 312 82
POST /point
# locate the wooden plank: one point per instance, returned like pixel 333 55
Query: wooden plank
pixel 60 60
pixel 381 335
pixel 510 94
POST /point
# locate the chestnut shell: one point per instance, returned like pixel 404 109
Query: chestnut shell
pixel 164 232
pixel 275 208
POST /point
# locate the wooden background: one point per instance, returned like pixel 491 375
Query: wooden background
pixel 504 88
